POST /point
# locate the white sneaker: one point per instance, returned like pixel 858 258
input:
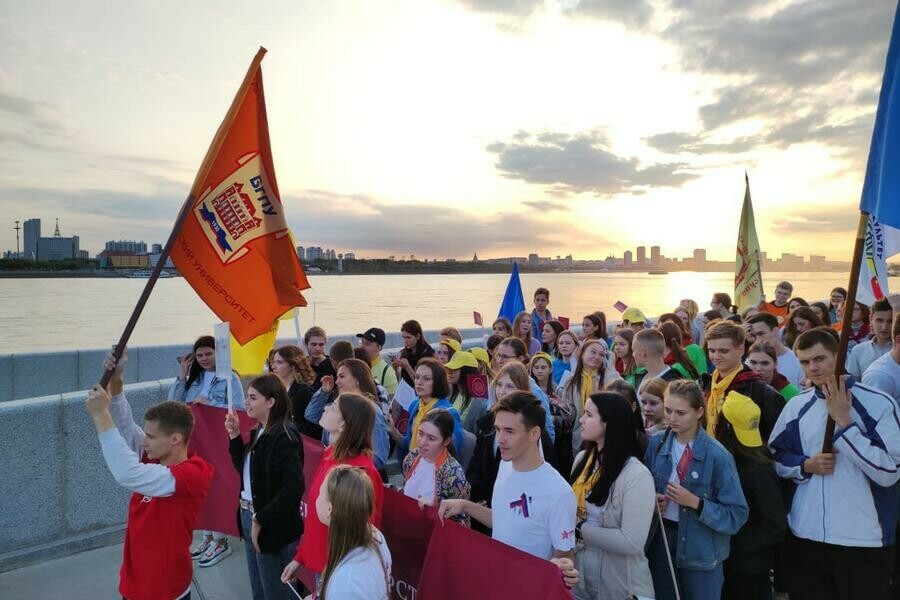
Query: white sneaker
pixel 217 552
pixel 201 549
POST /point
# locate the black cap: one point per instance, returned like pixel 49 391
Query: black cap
pixel 373 334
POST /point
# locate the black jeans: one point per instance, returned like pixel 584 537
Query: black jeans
pixel 818 571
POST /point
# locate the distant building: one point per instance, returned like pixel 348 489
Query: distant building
pixel 128 246
pixel 331 254
pixel 655 257
pixel 156 249
pixel 641 255
pixel 124 260
pixel 301 254
pixel 533 260
pixel 350 256
pixel 314 253
pixel 475 258
pixel 628 259
pixel 32 229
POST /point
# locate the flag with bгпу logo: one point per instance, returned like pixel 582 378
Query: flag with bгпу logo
pixel 235 249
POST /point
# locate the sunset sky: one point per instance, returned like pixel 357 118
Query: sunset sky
pixel 448 127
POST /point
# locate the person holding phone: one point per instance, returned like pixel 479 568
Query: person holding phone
pixel 197 382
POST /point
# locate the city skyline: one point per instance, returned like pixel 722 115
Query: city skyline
pixel 524 137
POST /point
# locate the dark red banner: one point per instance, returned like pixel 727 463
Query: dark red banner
pixel 462 563
pixel 407 530
pixel 210 441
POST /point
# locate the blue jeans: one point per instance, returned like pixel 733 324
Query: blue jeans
pixel 693 584
pixel 265 569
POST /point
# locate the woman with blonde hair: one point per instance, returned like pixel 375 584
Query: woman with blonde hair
pixel 692 320
pixel 359 561
pixel 522 330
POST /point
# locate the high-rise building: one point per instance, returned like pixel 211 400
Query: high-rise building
pixel 128 246
pixel 32 228
pixel 641 255
pixel 655 257
pixel 314 253
pixel 533 260
pixel 628 259
pixel 699 256
pixel 156 249
pixel 301 254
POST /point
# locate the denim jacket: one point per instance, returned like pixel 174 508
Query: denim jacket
pixel 704 538
pixel 218 391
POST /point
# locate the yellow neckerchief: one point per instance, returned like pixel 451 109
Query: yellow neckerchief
pixel 583 485
pixel 587 385
pixel 716 398
pixel 424 407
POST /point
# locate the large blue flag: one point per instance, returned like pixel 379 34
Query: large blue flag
pixel 513 300
pixel 881 190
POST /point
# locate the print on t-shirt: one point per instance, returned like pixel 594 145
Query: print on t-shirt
pixel 520 506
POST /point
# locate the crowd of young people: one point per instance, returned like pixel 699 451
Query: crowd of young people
pixel 677 458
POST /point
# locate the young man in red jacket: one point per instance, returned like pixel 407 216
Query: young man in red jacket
pixel 168 485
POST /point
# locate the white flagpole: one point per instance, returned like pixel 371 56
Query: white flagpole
pixel 297 326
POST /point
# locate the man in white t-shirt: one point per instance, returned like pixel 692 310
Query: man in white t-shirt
pixel 865 353
pixel 884 373
pixel 533 508
pixel 764 327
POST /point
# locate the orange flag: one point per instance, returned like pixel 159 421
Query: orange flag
pixel 234 247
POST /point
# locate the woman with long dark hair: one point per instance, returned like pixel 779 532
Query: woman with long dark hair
pixel 675 355
pixel 291 365
pixel 415 348
pixel 271 468
pixel 469 406
pixel 549 333
pixel 614 492
pixel 624 363
pixel 591 374
pixel 359 561
pixel 592 328
pixel 431 472
pixel 197 382
pixel 349 420
pixel 754 547
pixel 799 320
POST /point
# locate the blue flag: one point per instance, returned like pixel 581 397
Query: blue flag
pixel 881 189
pixel 513 301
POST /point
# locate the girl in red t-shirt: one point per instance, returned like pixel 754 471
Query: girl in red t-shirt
pixel 349 420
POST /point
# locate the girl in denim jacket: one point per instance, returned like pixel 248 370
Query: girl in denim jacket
pixel 699 495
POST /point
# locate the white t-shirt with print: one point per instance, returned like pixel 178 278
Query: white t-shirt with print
pixel 534 511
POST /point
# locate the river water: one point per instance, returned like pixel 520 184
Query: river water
pixel 65 314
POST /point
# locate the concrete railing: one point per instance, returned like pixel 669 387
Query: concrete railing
pixel 59 497
pixel 36 374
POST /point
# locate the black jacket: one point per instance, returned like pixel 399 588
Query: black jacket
pixel 753 547
pixel 770 402
pixel 300 395
pixel 276 478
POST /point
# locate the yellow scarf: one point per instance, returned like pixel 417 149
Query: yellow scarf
pixel 587 385
pixel 424 407
pixel 716 398
pixel 582 486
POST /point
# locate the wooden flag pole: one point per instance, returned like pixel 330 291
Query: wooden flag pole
pixel 211 154
pixel 847 317
pixel 145 295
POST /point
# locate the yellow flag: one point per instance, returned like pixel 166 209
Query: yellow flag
pixel 250 359
pixel 748 285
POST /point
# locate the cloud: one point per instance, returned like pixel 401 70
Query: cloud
pixel 42 116
pixel 362 223
pixel 818 220
pixel 632 13
pixel 546 205
pixel 581 162
pixel 516 8
pixel 351 222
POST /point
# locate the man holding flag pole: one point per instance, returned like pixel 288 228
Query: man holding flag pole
pixel 839 442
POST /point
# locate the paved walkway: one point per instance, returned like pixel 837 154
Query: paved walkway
pixel 94 575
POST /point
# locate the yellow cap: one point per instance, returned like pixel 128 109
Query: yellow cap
pixel 461 359
pixel 481 355
pixel 543 355
pixel 743 414
pixel 452 343
pixel 634 315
